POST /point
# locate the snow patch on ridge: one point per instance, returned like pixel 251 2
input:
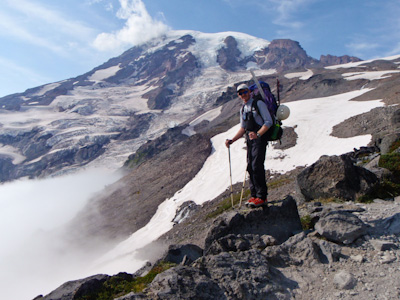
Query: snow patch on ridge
pixel 13 153
pixel 102 74
pixel 208 116
pixel 374 75
pixel 302 75
pixel 360 63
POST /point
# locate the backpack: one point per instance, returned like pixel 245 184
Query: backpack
pixel 270 100
pixel 276 131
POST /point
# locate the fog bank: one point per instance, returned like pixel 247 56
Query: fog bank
pixel 34 258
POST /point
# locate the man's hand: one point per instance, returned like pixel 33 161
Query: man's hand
pixel 252 135
pixel 228 143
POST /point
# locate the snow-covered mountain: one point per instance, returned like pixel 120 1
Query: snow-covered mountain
pixel 164 109
pixel 101 117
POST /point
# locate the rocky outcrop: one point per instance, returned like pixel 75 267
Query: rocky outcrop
pixel 335 176
pixel 243 261
pixel 329 60
pixel 228 57
pixel 283 55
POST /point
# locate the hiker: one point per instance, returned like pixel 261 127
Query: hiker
pixel 254 124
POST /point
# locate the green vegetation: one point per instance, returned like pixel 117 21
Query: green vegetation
pixel 329 200
pixel 391 161
pixel 279 181
pixel 388 187
pixel 383 190
pixel 306 222
pixel 226 204
pixel 394 146
pixel 136 160
pixel 123 284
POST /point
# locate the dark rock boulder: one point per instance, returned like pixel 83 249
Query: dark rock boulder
pixel 280 222
pixel 298 250
pixel 246 275
pixel 341 227
pixel 335 176
pixel 185 211
pixel 74 289
pixel 184 282
pixel 184 254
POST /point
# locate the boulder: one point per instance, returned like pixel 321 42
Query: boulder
pixel 183 282
pixel 280 221
pixel 341 227
pixel 387 142
pixel 298 250
pixel 182 253
pixel 78 288
pixel 344 280
pixel 335 176
pixel 392 224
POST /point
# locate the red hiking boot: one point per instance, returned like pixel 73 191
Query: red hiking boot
pixel 256 202
pixel 250 201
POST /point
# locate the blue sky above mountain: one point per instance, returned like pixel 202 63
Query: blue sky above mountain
pixel 44 41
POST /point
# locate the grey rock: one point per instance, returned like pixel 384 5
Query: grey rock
pixel 335 176
pixel 298 250
pixel 387 142
pixel 132 296
pixel 280 222
pixel 185 211
pixel 73 289
pixel 183 282
pixel 381 245
pixel 341 226
pixel 344 280
pixel 178 253
pixel 392 224
pixel 331 251
pixel 247 275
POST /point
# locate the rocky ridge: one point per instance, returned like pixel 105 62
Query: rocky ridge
pixel 353 253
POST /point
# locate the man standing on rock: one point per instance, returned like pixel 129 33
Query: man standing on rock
pixel 254 123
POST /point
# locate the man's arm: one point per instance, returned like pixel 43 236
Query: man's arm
pixel 237 136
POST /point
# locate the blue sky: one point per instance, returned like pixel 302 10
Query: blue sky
pixel 43 41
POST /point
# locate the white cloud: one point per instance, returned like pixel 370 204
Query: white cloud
pixel 32 216
pixel 44 16
pixel 139 27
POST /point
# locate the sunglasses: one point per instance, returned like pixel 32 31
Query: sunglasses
pixel 243 92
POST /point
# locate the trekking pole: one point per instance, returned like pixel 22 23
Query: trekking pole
pixel 230 172
pixel 241 194
pixel 278 87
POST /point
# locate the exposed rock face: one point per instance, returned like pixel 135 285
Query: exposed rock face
pixel 330 60
pixel 283 55
pixel 335 176
pixel 228 56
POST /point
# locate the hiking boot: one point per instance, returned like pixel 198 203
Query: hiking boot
pixel 250 201
pixel 257 202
